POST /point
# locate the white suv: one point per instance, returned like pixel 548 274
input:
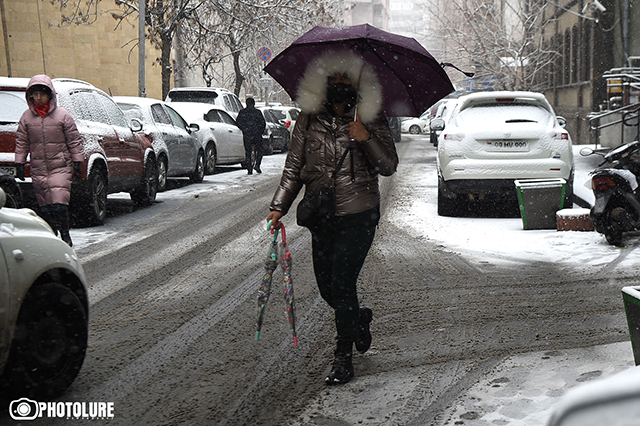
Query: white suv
pixel 44 308
pixel 494 138
pixel 208 95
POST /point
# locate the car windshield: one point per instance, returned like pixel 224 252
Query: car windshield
pixel 193 96
pixel 493 113
pixel 12 105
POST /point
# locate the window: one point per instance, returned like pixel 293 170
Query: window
pixel 226 118
pixel 116 116
pixel 12 105
pixel 159 114
pixel 213 117
pixel 177 120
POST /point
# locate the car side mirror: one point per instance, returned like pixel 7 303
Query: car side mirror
pixel 3 198
pixel 135 125
pixel 193 127
pixel 561 121
pixel 586 151
pixel 437 124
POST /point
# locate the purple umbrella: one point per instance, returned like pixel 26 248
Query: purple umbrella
pixel 411 78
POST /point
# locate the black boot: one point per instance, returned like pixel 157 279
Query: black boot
pixel 363 341
pixel 342 369
pixel 50 218
pixel 63 221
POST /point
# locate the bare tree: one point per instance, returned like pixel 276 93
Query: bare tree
pixel 501 39
pixel 234 31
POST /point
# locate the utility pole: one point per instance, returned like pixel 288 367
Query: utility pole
pixel 141 48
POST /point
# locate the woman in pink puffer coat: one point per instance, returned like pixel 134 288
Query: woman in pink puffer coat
pixel 49 134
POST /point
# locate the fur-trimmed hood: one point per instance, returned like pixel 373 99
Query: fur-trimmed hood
pixel 312 91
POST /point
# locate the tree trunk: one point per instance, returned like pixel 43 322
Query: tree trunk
pixel 165 62
pixel 238 72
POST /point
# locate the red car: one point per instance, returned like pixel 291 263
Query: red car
pixel 118 157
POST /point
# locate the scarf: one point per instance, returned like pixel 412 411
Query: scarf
pixel 42 109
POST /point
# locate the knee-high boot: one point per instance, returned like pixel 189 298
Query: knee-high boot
pixel 63 223
pixel 50 218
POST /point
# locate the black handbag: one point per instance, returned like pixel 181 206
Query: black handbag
pixel 318 205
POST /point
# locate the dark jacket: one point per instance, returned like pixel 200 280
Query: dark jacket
pixel 251 121
pixel 315 153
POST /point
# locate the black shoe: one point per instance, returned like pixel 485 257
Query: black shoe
pixel 363 341
pixel 66 237
pixel 258 170
pixel 342 369
pixel 249 172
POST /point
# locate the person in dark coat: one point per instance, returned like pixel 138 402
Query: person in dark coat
pixel 48 135
pixel 328 130
pixel 251 121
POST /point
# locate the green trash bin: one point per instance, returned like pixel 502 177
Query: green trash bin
pixel 631 299
pixel 539 201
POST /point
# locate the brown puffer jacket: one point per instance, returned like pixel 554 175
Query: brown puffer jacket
pixel 317 145
pixel 54 144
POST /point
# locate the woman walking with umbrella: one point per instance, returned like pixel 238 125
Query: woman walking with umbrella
pixel 340 97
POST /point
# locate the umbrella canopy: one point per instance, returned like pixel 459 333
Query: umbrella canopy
pixel 412 80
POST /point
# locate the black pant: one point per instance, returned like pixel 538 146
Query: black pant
pixel 249 145
pixel 339 251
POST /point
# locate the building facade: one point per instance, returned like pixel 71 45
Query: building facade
pixel 103 52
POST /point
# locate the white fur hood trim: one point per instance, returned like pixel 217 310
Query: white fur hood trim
pixel 312 91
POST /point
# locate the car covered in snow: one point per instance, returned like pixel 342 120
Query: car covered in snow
pixel 218 133
pixel 415 125
pixel 44 308
pixel 118 157
pixel 495 138
pixel 217 96
pixel 178 151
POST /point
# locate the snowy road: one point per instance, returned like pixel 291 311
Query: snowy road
pixel 173 286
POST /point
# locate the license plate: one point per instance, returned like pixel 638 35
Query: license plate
pixel 507 146
pixel 8 170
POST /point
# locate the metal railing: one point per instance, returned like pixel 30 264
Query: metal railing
pixel 629 116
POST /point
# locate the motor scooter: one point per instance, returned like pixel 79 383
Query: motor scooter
pixel 617 206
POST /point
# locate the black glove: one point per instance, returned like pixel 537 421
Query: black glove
pixel 77 170
pixel 20 171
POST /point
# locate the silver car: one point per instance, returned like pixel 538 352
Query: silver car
pixel 218 134
pixel 44 308
pixel 178 151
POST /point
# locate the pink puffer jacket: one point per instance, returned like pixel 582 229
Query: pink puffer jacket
pixel 54 144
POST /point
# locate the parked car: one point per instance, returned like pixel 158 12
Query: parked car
pixel 218 133
pixel 178 151
pixel 276 137
pixel 44 308
pixel 118 158
pixel 415 125
pixel 443 110
pixel 208 95
pixel 494 138
pixel 286 115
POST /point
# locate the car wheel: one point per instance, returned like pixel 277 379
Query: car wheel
pixel 198 174
pixel 145 193
pixel 210 159
pixel 49 342
pixel 162 173
pixel 92 208
pixel 414 130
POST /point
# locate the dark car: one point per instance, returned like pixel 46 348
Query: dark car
pixel 118 158
pixel 276 136
pixel 178 151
